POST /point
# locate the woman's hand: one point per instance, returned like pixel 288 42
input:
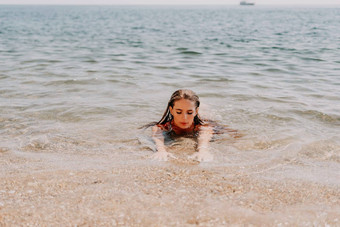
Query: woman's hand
pixel 162 155
pixel 202 156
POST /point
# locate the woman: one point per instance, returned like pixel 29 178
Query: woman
pixel 181 118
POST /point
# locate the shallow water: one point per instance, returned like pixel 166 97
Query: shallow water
pixel 82 80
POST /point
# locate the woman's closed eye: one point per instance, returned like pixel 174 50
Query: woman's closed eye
pixel 180 112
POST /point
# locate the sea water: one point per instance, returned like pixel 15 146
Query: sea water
pixel 81 80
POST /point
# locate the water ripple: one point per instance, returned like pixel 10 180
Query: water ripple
pixel 272 73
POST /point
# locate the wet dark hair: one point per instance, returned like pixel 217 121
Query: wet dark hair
pixel 190 95
pixel 178 95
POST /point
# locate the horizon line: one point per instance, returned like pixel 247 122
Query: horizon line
pixel 151 4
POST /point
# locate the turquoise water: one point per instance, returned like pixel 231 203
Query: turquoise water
pixel 82 79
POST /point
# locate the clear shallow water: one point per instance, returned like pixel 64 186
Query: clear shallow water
pixel 81 80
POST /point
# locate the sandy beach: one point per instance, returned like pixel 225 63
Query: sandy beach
pixel 77 83
pixel 42 190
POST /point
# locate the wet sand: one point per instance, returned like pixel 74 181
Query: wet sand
pixel 98 190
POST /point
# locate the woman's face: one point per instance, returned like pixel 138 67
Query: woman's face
pixel 184 112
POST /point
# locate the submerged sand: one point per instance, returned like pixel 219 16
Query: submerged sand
pixel 72 190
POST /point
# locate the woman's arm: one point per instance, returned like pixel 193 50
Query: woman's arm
pixel 157 136
pixel 203 146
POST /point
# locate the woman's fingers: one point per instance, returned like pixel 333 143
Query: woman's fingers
pixel 202 156
pixel 193 156
pixel 198 156
pixel 162 156
pixel 159 156
pixel 172 156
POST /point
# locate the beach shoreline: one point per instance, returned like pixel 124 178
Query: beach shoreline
pixel 37 192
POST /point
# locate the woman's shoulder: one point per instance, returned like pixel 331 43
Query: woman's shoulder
pixel 164 127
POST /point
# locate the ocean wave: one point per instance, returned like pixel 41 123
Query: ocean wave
pixel 74 82
pixel 322 150
pixel 318 115
pixel 188 52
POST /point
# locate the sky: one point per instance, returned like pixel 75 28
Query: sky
pixel 170 2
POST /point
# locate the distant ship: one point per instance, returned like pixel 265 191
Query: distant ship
pixel 246 3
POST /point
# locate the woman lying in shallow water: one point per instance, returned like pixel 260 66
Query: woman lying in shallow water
pixel 181 119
